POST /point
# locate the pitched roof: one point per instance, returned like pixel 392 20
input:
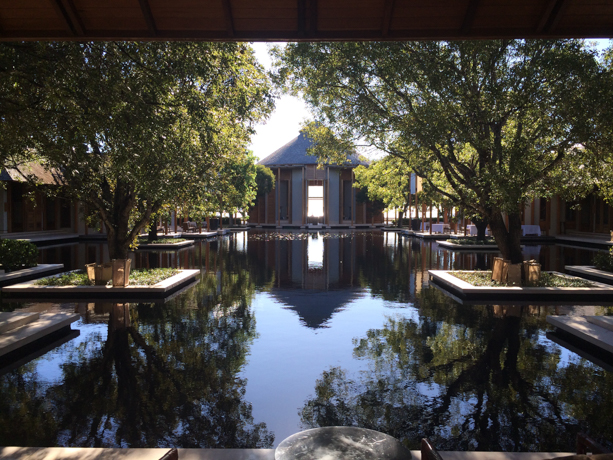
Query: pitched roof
pixel 315 308
pixel 295 153
pixel 39 171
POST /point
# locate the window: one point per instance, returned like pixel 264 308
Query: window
pixel 315 200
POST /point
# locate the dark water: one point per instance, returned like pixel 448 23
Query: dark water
pixel 298 331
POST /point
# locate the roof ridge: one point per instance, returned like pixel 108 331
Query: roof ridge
pixel 294 152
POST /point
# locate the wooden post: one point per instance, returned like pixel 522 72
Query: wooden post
pixel 423 217
pixel 352 201
pixel 430 219
pixel 266 208
pixel 278 203
pixel 409 207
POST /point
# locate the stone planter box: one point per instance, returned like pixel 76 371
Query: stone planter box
pixel 156 247
pixel 469 247
pixel 26 274
pixel 466 291
pixel 590 272
pixel 162 289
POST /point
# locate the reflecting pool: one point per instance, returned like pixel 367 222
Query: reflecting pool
pixel 289 331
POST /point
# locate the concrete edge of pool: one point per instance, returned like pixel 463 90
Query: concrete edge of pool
pixel 86 453
pixel 161 289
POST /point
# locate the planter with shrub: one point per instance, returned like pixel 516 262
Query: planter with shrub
pixel 17 254
pixel 604 261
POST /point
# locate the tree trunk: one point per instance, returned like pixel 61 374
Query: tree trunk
pixel 481 225
pixel 400 216
pixel 508 241
pixel 480 263
pixel 118 247
pixel 153 230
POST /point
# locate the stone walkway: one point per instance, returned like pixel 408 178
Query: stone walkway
pixel 57 453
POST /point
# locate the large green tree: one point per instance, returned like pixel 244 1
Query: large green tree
pixel 501 122
pixel 132 126
pixel 386 180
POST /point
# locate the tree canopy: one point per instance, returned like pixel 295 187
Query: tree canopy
pixel 132 126
pixel 264 179
pixel 386 180
pixel 488 124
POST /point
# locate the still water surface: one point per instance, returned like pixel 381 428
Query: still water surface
pixel 291 331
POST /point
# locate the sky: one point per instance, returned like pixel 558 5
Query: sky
pixel 285 122
pixel 291 112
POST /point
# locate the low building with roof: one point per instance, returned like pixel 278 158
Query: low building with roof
pixel 27 209
pixel 306 194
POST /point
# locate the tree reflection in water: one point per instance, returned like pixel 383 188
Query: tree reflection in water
pixel 469 378
pixel 166 375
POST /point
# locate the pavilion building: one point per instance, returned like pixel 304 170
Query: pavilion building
pixel 308 194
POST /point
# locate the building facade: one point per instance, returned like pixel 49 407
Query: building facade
pixel 590 216
pixel 306 193
pixel 26 209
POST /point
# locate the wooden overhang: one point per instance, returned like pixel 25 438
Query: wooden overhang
pixel 271 20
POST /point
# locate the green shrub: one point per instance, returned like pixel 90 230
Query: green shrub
pixel 604 261
pixel 17 254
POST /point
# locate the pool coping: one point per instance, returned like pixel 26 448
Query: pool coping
pixel 590 272
pixel 26 274
pixel 159 290
pixel 469 292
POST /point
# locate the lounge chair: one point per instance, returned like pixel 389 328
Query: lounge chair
pixel 189 227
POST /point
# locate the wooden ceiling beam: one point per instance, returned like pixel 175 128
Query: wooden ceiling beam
pixel 227 10
pixel 314 16
pixel 469 16
pixel 67 13
pixel 146 9
pixel 388 14
pixel 551 16
pixel 301 5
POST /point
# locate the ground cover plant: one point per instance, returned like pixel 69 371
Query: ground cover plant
pixel 604 261
pixel 138 277
pixel 471 241
pixel 484 278
pixel 17 254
